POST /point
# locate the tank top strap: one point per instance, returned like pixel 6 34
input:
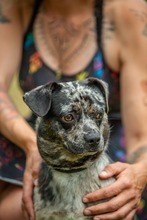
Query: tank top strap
pixel 99 25
pixel 99 20
pixel 36 7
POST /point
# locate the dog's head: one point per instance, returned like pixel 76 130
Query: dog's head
pixel 72 127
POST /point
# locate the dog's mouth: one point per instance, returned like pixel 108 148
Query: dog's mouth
pixel 69 157
pixel 77 165
pixel 86 149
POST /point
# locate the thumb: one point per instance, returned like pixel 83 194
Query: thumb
pixel 112 170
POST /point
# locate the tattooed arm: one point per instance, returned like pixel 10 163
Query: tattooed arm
pixel 12 124
pixel 10 55
pixel 134 79
pixel 131 179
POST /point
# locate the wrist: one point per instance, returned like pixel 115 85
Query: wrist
pixel 31 146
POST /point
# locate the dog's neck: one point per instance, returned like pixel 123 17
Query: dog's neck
pixel 70 170
pixel 52 183
pixel 69 166
pixel 78 168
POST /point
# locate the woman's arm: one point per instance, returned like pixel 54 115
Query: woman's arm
pixel 133 57
pixel 131 28
pixel 12 124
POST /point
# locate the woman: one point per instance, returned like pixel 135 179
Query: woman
pixel 55 40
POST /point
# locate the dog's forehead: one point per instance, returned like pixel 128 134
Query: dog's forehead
pixel 76 91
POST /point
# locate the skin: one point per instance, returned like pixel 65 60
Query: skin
pixel 121 56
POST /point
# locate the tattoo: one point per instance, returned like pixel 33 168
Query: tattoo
pixel 69 33
pixel 132 158
pixel 41 32
pixel 108 29
pixel 142 16
pixel 77 50
pixel 64 37
pixel 145 30
pixel 65 34
pixel 6 107
pixel 3 18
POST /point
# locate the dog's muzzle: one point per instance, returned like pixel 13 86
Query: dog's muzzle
pixel 92 139
pixel 90 144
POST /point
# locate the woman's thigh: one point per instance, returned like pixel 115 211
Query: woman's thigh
pixel 10 201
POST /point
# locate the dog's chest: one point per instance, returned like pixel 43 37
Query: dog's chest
pixel 61 199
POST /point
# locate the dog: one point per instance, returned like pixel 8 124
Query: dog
pixel 72 135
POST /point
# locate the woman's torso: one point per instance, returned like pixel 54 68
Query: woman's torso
pixel 58 48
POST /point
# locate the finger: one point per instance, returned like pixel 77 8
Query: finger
pixel 35 173
pixel 113 170
pixel 119 214
pixel 36 182
pixel 113 204
pixel 109 191
pixel 36 166
pixel 27 195
pixel 26 216
pixel 131 216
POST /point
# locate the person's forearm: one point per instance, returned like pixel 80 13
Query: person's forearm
pixel 139 154
pixel 13 126
pixel 136 146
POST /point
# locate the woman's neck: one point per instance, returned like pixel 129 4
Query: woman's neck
pixel 68 7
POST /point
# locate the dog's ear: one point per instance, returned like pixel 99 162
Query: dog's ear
pixel 103 86
pixel 39 99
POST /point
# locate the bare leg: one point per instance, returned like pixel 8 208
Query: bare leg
pixel 10 202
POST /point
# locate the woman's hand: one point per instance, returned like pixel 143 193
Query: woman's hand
pixel 125 192
pixel 33 161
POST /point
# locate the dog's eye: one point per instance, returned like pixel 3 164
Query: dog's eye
pixel 68 118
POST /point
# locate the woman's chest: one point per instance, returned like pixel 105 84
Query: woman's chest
pixel 69 45
pixel 63 51
pixel 65 45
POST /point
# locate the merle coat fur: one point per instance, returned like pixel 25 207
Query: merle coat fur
pixel 72 135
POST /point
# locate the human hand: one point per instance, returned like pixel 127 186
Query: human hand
pixel 125 192
pixel 33 161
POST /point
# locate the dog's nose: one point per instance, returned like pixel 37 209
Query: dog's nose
pixel 92 138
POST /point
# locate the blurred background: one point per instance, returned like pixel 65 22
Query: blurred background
pixel 16 95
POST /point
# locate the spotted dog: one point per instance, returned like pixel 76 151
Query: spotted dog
pixel 72 134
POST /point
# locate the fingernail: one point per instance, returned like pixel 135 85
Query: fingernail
pixel 85 200
pixel 36 182
pixel 87 212
pixel 104 173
